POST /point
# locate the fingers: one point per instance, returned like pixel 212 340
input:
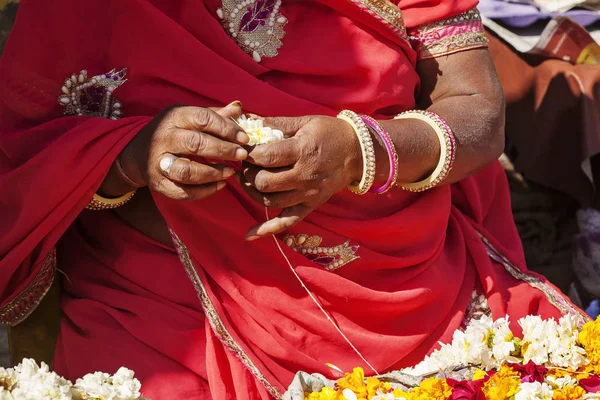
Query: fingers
pixel 271 200
pixel 179 191
pixel 218 124
pixel 231 111
pixel 288 125
pixel 278 154
pixel 270 181
pixel 189 142
pixel 284 221
pixel 188 172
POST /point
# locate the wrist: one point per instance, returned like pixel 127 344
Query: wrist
pixel 354 158
pixel 129 169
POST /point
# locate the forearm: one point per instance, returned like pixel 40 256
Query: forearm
pixel 477 123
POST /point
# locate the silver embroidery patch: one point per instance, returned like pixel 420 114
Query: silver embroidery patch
pixel 92 97
pixel 255 25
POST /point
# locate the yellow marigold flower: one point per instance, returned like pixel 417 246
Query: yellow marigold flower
pixel 479 374
pixel 354 381
pixel 401 394
pixel 433 389
pixel 589 337
pixel 503 385
pixel 558 373
pixel 374 384
pixel 568 393
pixel 326 393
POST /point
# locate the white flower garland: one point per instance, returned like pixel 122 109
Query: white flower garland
pixel 28 381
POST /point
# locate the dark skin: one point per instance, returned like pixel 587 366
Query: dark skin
pixel 303 172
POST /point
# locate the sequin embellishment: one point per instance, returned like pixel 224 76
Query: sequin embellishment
pixel 93 97
pixel 330 258
pixel 255 25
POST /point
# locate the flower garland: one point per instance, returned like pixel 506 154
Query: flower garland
pixel 28 381
pixel 552 360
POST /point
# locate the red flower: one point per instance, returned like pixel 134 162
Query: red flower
pixel 590 385
pixel 530 372
pixel 466 390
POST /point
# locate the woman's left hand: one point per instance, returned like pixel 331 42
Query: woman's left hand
pixel 321 157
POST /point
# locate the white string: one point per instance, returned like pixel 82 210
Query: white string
pixel 314 299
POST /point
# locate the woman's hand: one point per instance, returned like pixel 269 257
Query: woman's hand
pixel 161 155
pixel 321 157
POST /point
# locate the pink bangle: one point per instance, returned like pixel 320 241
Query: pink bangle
pixel 392 154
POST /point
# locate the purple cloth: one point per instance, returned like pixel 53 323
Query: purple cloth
pixel 522 15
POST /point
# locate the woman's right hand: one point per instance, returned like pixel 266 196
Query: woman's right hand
pixel 159 156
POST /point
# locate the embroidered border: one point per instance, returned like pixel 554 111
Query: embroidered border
pixel 386 12
pixel 556 298
pixel 17 310
pixel 451 35
pixel 256 26
pixel 330 258
pixel 215 321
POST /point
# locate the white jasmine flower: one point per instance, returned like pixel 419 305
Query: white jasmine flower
pixel 534 391
pixel 125 384
pixel 478 338
pixel 349 394
pixel 94 385
pixel 386 396
pixel 100 385
pixel 8 377
pixel 258 133
pixel 539 337
pixel 503 341
pixel 5 394
pixel 566 352
pixel 35 383
pixel 563 381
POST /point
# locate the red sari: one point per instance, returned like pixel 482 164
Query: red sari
pixel 218 316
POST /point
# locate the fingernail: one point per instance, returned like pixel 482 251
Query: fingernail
pixel 165 164
pixel 220 185
pixel 242 137
pixel 251 238
pixel 241 154
pixel 235 103
pixel 228 171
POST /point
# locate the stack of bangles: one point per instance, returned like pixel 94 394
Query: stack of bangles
pixel 363 124
pixel 99 203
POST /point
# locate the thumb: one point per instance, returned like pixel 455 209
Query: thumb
pixel 288 125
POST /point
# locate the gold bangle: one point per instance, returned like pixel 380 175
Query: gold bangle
pixel 99 203
pixel 447 150
pixel 367 149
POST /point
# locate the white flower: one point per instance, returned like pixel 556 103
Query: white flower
pixel 34 383
pixel 8 377
pixel 258 133
pixel 349 394
pixel 5 394
pixel 478 337
pixel 386 396
pixel 534 391
pixel 539 337
pixel 503 342
pixel 560 382
pixel 125 384
pixel 121 386
pixel 566 352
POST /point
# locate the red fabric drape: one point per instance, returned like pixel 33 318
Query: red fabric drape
pixel 128 300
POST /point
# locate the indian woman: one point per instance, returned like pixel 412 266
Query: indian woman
pixel 217 269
